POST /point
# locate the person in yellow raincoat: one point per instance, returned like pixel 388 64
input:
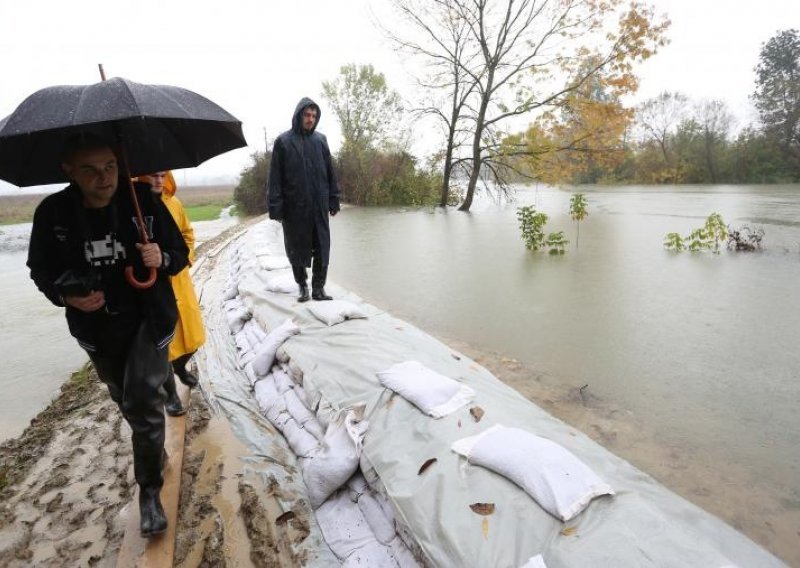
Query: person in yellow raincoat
pixel 189 332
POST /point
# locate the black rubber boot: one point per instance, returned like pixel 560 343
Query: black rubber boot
pixel 319 294
pixel 153 521
pixel 179 366
pixel 173 405
pixel 318 278
pixel 303 297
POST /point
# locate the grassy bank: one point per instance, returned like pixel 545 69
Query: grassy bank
pixel 202 202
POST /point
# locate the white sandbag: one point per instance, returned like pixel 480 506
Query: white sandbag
pixel 278 415
pixel 231 291
pixel 535 562
pixel 302 443
pixel 300 392
pixel 402 554
pixel 335 311
pixel 314 428
pixel 434 394
pixel 282 380
pixel 265 352
pixel 266 394
pixel 245 359
pixel 274 262
pixel 281 284
pixel 561 483
pixel 382 527
pixel 357 486
pixel 252 378
pixel 255 334
pixel 343 526
pixel 338 456
pixel 371 555
pixel 237 317
pixel 296 408
pixel 242 343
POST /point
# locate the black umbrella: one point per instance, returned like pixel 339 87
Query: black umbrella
pixel 155 127
pixel 160 127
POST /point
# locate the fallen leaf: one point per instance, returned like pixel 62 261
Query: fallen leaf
pixel 477 413
pixel 426 465
pixel 569 531
pixel 459 423
pixel 456 357
pixel 485 527
pixel 482 508
pixel 285 518
pixel 390 402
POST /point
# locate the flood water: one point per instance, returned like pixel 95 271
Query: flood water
pixel 702 348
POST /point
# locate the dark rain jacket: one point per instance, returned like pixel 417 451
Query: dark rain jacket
pixel 302 188
pixel 61 230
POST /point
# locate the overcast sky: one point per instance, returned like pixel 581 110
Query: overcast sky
pixel 257 58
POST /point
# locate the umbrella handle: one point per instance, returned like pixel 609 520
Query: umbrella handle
pixel 129 275
pixel 140 285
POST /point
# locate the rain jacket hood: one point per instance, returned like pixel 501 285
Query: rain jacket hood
pixel 297 118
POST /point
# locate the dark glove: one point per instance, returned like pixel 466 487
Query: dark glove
pixel 276 214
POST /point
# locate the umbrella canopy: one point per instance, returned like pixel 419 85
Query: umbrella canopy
pixel 161 128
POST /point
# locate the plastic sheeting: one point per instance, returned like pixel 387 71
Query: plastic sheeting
pixel 643 525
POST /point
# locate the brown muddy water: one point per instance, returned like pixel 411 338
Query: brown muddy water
pixel 701 348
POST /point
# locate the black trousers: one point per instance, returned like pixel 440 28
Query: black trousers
pixel 134 371
pixel 319 272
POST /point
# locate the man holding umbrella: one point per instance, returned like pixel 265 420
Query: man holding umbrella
pixel 83 238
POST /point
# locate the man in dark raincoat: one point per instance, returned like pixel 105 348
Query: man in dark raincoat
pixel 301 192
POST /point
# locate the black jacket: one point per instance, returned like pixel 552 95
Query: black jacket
pixel 62 229
pixel 302 188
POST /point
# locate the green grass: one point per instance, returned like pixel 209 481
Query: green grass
pixel 208 201
pixel 205 212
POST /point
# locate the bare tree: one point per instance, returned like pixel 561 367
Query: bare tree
pixel 658 118
pixel 714 122
pixel 524 45
pixel 439 37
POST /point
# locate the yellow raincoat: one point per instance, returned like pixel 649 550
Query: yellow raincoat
pixel 189 332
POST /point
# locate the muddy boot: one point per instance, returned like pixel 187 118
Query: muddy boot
pixel 173 406
pixel 179 366
pixel 303 297
pixel 153 521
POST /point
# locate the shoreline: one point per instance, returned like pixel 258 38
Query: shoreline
pixel 71 469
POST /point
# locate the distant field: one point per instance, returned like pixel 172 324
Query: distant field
pixel 201 202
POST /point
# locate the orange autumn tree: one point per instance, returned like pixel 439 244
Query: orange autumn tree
pixel 582 135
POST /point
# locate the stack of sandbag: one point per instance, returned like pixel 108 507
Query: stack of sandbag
pixel 358 522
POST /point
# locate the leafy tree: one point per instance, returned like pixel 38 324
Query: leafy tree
pixel 708 237
pixel 578 210
pixel 674 241
pixel 250 194
pixel 531 224
pixel 556 241
pixel 777 93
pixel 367 109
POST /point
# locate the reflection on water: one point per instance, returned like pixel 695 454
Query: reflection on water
pixel 701 347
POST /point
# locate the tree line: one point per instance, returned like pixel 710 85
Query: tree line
pixel 565 66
